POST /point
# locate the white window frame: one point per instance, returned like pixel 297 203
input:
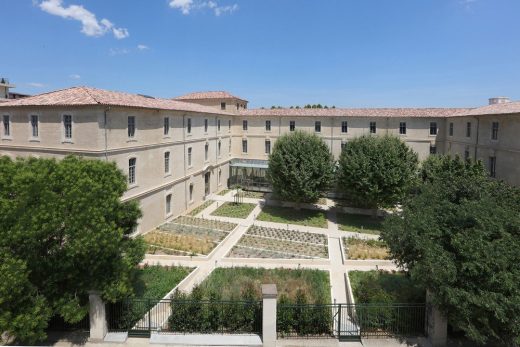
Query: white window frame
pixel 132 183
pixel 64 138
pixel 169 166
pixel 31 133
pixel 244 141
pixel 268 128
pixel 168 210
pixel 190 157
pixel 267 141
pixel 402 128
pixel 436 129
pixel 131 136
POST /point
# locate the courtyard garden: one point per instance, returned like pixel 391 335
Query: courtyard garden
pixel 289 215
pixel 360 223
pixel 154 282
pixel 187 236
pixel 200 208
pixel 234 210
pixel 356 248
pixel 265 242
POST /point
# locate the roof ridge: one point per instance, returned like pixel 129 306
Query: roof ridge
pixel 87 90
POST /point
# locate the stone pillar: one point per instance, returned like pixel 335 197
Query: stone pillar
pixel 97 315
pixel 436 324
pixel 269 295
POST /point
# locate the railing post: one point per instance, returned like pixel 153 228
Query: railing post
pixel 437 324
pixel 269 295
pixel 339 320
pixel 97 317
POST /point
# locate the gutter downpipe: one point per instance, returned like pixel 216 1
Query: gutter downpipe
pixel 476 140
pixel 105 131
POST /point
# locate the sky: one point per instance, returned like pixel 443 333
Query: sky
pixel 347 53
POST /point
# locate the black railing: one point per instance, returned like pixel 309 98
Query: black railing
pixel 309 321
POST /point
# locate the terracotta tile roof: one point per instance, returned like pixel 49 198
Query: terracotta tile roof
pixel 355 112
pixel 82 96
pixel 208 95
pixel 504 108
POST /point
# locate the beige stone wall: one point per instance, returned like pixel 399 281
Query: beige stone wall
pixel 417 134
pixel 231 104
pixel 481 146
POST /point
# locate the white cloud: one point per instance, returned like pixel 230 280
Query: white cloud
pixel 186 6
pixel 183 5
pixel 142 47
pixel 75 76
pixel 225 9
pixel 36 84
pixel 90 24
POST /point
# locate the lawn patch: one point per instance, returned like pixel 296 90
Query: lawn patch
pixel 230 209
pixel 288 215
pixel 154 282
pixel 384 287
pixel 356 248
pixel 360 223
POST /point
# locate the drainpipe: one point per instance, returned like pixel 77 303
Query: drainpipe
pixel 184 162
pixel 476 140
pixel 105 131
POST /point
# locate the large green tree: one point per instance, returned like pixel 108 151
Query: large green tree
pixel 459 238
pixel 63 224
pixel 377 171
pixel 300 167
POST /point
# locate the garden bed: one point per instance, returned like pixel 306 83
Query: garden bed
pixel 224 192
pixel 234 210
pixel 200 208
pixel 154 282
pixel 264 242
pixel 359 223
pixel 187 236
pixel 289 215
pixel 356 248
pixel 384 287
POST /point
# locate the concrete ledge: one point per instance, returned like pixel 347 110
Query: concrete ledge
pixel 116 337
pixel 205 340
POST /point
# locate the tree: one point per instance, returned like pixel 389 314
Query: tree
pixel 64 225
pixel 300 167
pixel 377 171
pixel 459 238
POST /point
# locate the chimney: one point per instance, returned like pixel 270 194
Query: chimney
pixel 499 100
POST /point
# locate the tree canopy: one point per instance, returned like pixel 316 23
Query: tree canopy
pixel 63 231
pixel 300 167
pixel 377 171
pixel 459 238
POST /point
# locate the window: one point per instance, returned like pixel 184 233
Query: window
pixel 229 125
pixel 372 127
pixel 222 105
pixel 292 125
pixel 131 170
pixel 267 125
pixel 244 146
pixel 219 147
pixel 267 146
pixel 433 149
pixel 166 126
pixel 402 128
pixel 34 126
pixel 189 126
pixel 317 126
pixel 344 126
pixel 492 166
pixel 244 125
pixel 219 176
pixel 450 131
pixel 131 126
pixel 238 106
pixel 191 191
pixel 166 162
pixel 206 151
pixel 189 156
pixel 205 125
pixel 494 131
pixel 7 125
pixel 433 128
pixel 468 129
pixel 67 126
pixel 343 145
pixel 168 204
pixel 466 154
pixel 218 124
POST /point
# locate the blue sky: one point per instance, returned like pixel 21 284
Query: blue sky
pixel 363 53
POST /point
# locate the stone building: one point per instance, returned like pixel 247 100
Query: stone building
pixel 177 151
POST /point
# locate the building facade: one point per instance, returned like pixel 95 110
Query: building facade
pixel 176 152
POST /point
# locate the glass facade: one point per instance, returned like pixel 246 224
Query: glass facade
pixel 250 174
